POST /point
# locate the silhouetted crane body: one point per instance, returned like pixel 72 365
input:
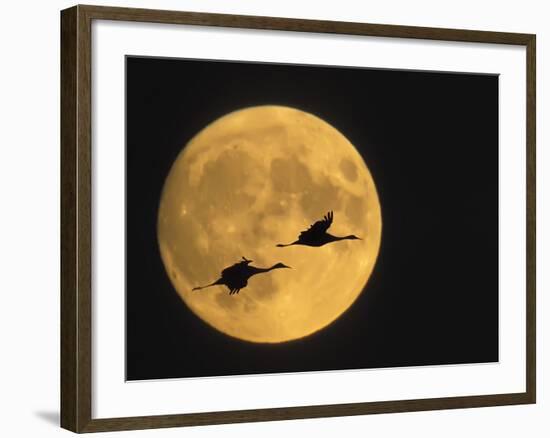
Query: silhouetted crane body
pixel 236 276
pixel 316 234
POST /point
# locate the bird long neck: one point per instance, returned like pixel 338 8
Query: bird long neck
pixel 255 270
pixel 336 238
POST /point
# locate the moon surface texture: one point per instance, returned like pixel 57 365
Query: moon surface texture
pixel 249 180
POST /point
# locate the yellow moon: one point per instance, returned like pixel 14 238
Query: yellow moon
pixel 249 180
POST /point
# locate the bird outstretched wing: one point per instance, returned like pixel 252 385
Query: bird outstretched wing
pixel 319 227
pixel 236 268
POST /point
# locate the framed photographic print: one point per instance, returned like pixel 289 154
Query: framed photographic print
pixel 268 218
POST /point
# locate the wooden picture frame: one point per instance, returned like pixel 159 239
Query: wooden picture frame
pixel 76 218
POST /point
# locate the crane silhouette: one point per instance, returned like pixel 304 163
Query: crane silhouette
pixel 236 276
pixel 316 234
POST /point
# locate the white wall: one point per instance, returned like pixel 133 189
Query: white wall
pixel 29 232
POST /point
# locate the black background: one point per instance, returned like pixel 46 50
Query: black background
pixel 430 141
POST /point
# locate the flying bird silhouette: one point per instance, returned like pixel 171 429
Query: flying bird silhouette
pixel 236 276
pixel 316 234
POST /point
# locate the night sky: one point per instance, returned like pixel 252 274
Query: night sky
pixel 430 141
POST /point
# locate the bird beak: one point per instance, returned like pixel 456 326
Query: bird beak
pixel 289 267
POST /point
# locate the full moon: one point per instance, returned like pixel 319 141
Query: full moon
pixel 252 179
